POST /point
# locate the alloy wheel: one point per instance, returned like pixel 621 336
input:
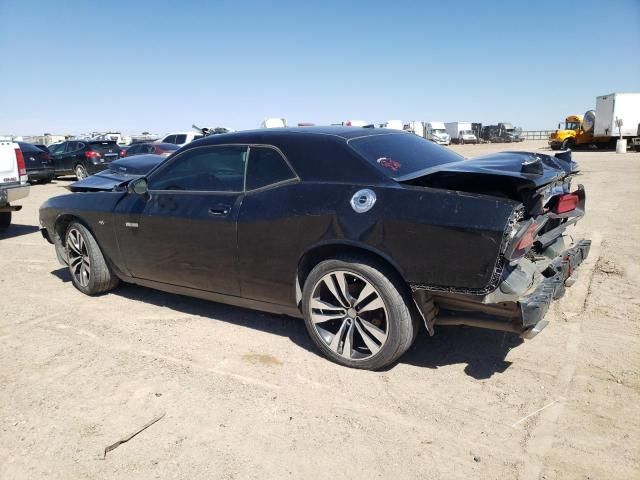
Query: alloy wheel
pixel 349 315
pixel 78 256
pixel 81 173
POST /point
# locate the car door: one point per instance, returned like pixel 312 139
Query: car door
pixel 183 232
pixel 57 155
pixel 70 158
pixel 270 230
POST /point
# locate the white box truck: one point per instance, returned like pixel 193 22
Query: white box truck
pixel 625 106
pixel 461 132
pixel 598 127
pixel 436 132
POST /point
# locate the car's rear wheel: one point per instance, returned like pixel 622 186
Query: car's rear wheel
pixel 5 220
pixel 81 172
pixel 358 312
pixel 90 273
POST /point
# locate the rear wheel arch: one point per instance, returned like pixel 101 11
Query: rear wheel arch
pixel 326 251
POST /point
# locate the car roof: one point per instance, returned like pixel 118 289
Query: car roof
pixel 266 134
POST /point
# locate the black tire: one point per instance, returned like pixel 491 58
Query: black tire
pixel 567 143
pixel 100 278
pixel 5 220
pixel 80 172
pixel 401 321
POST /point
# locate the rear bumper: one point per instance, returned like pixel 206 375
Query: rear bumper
pixel 522 314
pixel 41 173
pixel 12 193
pixel 534 306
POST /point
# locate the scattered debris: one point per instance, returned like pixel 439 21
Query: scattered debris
pixel 131 435
pixel 532 414
pixel 476 458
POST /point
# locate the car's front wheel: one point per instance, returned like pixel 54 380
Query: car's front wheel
pixel 90 273
pixel 358 312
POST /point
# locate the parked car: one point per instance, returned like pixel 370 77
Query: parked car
pixel 14 184
pixel 38 163
pixel 83 157
pixel 363 233
pixel 164 149
pixel 180 138
pixel 119 172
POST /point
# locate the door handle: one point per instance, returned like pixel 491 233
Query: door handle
pixel 220 210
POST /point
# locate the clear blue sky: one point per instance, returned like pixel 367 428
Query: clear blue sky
pixel 78 66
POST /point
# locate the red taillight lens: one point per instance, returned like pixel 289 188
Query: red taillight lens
pixel 566 203
pixel 91 154
pixel 22 168
pixel 527 239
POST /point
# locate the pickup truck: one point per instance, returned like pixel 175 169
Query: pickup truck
pixel 13 180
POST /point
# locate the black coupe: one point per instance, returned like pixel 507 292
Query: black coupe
pixel 364 233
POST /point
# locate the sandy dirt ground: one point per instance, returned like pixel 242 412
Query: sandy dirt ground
pixel 245 396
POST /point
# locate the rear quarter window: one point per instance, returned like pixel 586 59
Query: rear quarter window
pixel 399 154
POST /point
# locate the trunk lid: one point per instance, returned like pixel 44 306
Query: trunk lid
pixel 34 158
pixel 108 150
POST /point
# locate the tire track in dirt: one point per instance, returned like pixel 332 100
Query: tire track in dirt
pixel 542 433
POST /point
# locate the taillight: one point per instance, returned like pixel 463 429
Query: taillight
pixel 527 239
pixel 123 153
pixel 566 203
pixel 90 154
pixel 22 168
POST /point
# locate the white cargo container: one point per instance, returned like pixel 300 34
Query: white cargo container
pixel 625 106
pixel 461 132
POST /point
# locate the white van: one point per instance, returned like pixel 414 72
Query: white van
pixel 274 123
pixel 437 132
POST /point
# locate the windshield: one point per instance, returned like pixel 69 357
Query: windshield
pixel 439 130
pixel 572 126
pixel 466 132
pixel 401 154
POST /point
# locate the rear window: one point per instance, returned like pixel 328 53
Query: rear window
pixel 104 147
pixel 400 154
pixel 27 147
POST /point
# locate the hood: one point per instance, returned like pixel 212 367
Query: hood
pixel 526 169
pixel 120 173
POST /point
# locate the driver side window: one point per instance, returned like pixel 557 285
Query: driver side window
pixel 204 169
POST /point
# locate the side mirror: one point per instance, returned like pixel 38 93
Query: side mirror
pixel 138 186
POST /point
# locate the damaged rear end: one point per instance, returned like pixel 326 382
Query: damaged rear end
pixel 537 258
